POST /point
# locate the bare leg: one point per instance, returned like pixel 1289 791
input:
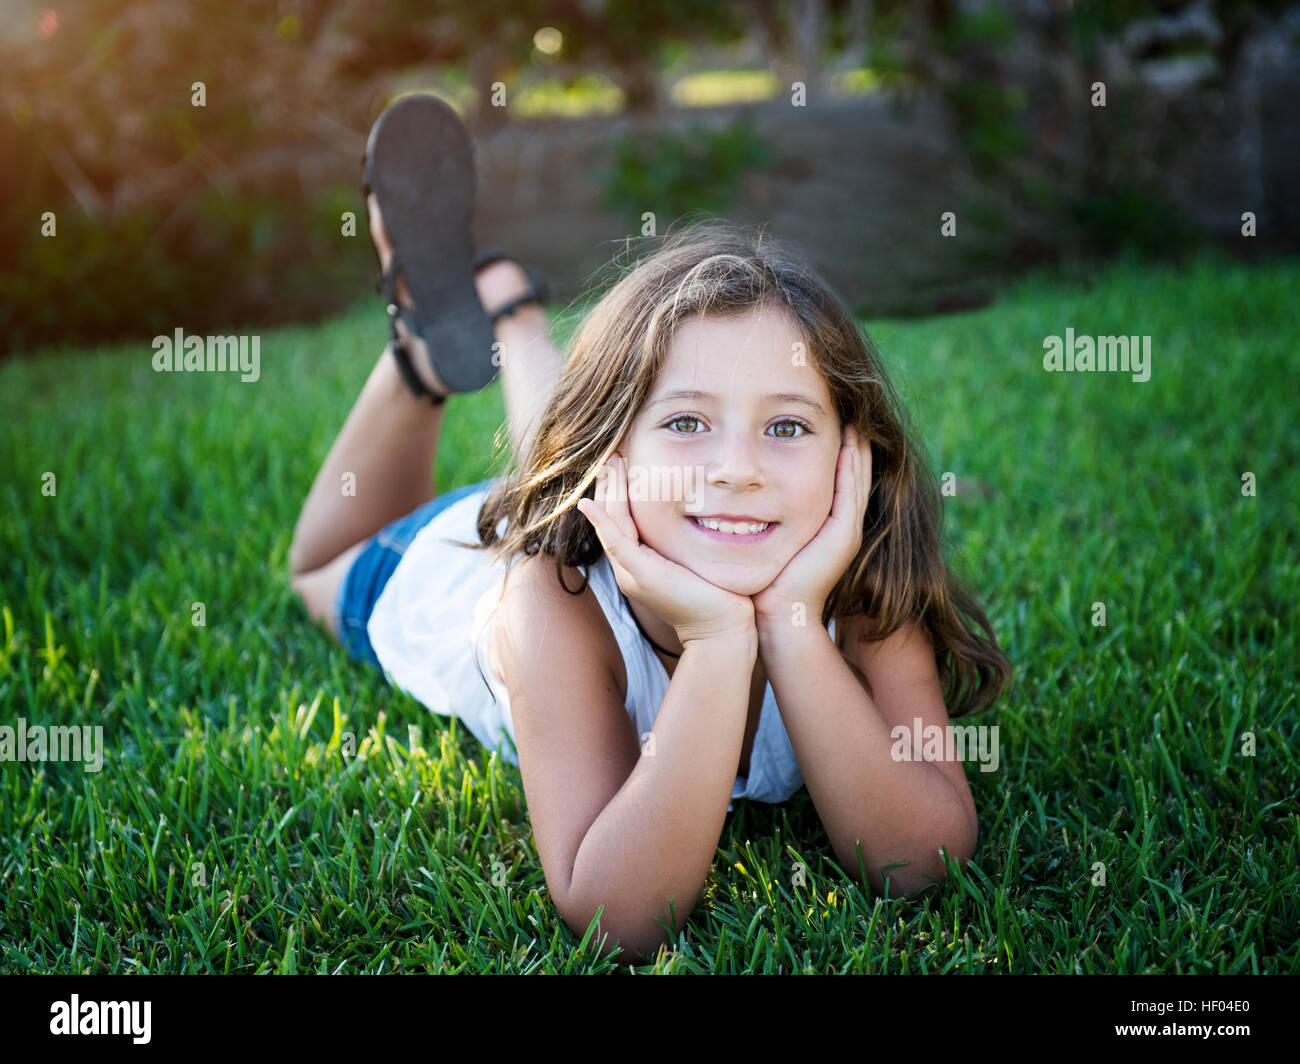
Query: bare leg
pixel 318 588
pixel 530 366
pixel 380 468
pixel 389 441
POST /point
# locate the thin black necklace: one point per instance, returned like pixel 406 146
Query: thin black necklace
pixel 643 631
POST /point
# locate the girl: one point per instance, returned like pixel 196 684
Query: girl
pixel 763 622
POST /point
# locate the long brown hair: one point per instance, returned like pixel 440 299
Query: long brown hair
pixel 899 573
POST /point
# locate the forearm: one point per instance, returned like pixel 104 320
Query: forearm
pixel 657 837
pixel 899 810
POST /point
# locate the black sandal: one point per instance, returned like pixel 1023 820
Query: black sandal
pixel 419 163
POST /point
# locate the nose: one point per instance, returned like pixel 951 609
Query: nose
pixel 737 465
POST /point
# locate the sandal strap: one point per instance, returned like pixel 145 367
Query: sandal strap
pixel 412 379
pixel 539 292
pixel 386 282
pixel 490 255
pixel 531 296
pixel 413 382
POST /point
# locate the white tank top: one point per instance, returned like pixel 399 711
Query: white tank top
pixel 431 628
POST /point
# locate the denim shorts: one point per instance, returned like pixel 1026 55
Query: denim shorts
pixel 365 580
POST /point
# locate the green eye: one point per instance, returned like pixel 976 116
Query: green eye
pixel 793 421
pixel 780 436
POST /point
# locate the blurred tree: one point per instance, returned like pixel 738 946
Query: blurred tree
pixel 190 148
pixel 810 26
pixel 204 137
pixel 626 37
pixel 1017 77
pixel 698 169
pixel 178 144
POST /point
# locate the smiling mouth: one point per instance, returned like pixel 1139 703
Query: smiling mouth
pixel 740 532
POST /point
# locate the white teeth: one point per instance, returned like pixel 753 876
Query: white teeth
pixel 743 528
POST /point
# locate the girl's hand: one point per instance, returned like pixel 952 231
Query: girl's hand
pixel 694 607
pixel 810 575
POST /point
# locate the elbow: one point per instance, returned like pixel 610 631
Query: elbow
pixel 637 920
pixel 922 877
pixel 637 938
pixel 917 867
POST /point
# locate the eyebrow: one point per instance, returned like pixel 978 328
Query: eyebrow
pixel 707 397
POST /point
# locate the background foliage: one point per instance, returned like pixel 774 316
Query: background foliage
pixel 229 215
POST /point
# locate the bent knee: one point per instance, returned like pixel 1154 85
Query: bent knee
pixel 297 559
pixel 319 589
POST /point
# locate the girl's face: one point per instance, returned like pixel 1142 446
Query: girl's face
pixel 757 442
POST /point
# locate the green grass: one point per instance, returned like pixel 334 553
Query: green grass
pixel 1119 744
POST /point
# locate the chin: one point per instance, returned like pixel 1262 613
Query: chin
pixel 747 580
pixel 747 584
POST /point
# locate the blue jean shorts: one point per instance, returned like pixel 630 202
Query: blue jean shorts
pixel 370 571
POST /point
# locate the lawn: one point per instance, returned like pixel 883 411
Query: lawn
pixel 229 830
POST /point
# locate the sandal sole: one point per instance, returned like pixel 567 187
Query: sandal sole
pixel 421 170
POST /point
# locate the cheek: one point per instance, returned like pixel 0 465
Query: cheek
pixel 817 501
pixel 826 498
pixel 655 521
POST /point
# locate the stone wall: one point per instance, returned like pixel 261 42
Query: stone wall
pixel 858 187
pixel 862 183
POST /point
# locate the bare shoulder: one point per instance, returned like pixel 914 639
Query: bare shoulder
pixel 534 593
pixel 902 660
pixel 909 639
